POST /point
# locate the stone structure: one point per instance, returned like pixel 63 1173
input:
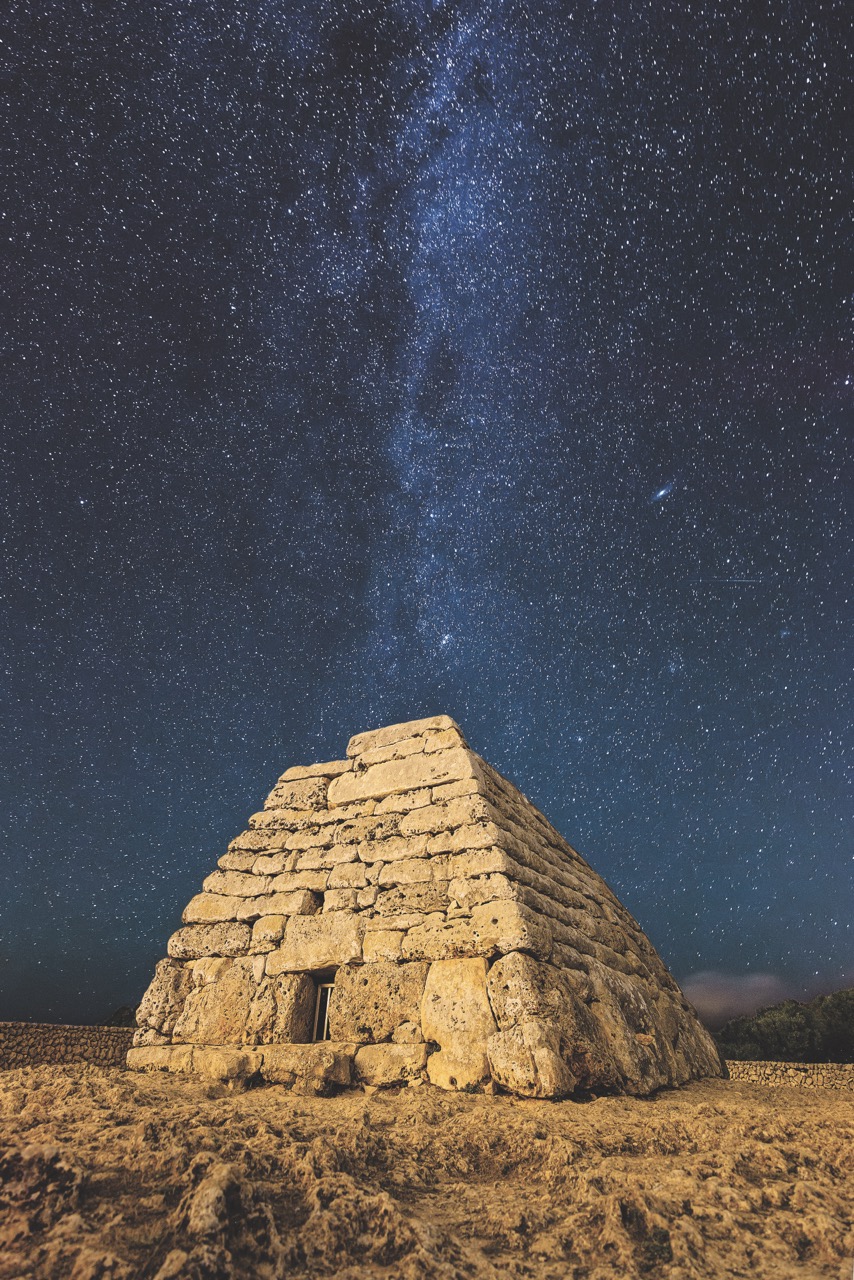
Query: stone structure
pixel 795 1075
pixel 26 1044
pixel 456 935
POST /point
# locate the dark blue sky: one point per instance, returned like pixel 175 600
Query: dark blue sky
pixel 365 361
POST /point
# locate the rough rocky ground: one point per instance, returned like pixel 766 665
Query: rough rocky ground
pixel 107 1175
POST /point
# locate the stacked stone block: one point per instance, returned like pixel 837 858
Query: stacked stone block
pixel 467 942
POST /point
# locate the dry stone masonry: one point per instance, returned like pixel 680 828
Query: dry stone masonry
pixel 456 935
pixel 26 1044
pixel 795 1075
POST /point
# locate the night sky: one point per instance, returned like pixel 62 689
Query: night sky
pixel 365 361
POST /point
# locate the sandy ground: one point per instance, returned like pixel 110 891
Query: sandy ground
pixel 110 1174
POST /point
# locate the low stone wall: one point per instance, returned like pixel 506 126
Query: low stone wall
pixel 25 1044
pixel 799 1075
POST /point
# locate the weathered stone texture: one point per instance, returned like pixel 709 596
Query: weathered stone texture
pixel 210 940
pixel 163 1002
pixel 444 908
pixel 371 1000
pixel 315 943
pixel 235 1008
pixel 456 1015
pixel 27 1044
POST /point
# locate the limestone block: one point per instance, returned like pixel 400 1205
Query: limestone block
pixel 349 875
pixel 407 1033
pixel 459 812
pixel 360 830
pixel 258 841
pixel 309 1068
pixel 407 899
pixel 523 989
pixel 222 1062
pixel 473 891
pixel 442 739
pixel 480 862
pixel 273 864
pixel 163 1002
pixel 208 969
pixel 479 835
pixel 499 927
pixel 451 790
pixel 310 793
pixel 301 902
pixel 367 897
pixel 405 801
pixel 330 769
pixel 390 1064
pixel 394 751
pixel 493 929
pixel 384 944
pixel 411 920
pixel 161 1058
pixel 267 933
pixel 339 900
pixel 526 1059
pixel 432 937
pixel 406 871
pixel 290 881
pixel 146 1036
pixel 235 1009
pixel 361 742
pixel 395 849
pixel 209 940
pixel 314 837
pixel 282 1010
pixel 211 908
pixel 369 1000
pixel 325 859
pixel 456 1015
pixel 318 942
pixel 381 780
pixel 237 861
pixel 236 883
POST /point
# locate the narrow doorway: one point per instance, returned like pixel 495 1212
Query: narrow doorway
pixel 321 1011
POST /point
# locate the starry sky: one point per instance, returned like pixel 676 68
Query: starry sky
pixel 370 359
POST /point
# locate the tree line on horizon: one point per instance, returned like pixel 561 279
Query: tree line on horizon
pixel 821 1030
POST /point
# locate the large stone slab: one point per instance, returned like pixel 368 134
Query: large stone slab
pixel 314 943
pixel 594 1039
pixel 235 1008
pixel 209 940
pixel 373 738
pixel 369 1001
pixel 329 769
pixel 319 1069
pixel 161 1006
pixel 492 929
pixel 421 770
pixel 389 1064
pixel 456 1015
pixel 195 940
pixel 526 1060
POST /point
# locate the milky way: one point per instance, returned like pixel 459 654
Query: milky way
pixel 366 361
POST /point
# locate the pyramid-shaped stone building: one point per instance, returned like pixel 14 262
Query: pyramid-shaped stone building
pixel 407 915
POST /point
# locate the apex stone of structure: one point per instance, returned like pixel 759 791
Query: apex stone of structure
pixel 406 915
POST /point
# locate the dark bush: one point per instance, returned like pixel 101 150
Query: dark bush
pixel 821 1031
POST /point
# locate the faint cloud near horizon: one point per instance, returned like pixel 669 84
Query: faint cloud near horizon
pixel 717 997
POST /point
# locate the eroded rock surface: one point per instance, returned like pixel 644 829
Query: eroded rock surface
pixel 112 1175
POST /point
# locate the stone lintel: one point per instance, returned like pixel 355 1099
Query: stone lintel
pixel 373 738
